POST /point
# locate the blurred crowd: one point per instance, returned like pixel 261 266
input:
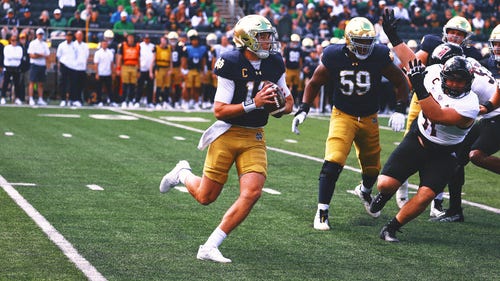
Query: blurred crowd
pixel 305 25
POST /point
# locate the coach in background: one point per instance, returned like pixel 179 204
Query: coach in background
pixel 104 62
pixel 13 54
pixel 66 55
pixel 24 77
pixel 38 51
pixel 80 74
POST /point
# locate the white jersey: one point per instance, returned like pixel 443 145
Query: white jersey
pixel 467 106
pixel 484 85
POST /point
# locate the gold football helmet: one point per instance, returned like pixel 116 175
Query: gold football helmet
pixel 460 24
pixel 173 38
pixel 211 39
pixel 308 44
pixel 360 37
pixel 255 33
pixel 495 43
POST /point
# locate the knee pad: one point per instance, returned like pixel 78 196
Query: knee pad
pixel 330 170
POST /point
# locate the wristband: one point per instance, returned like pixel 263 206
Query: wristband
pixel 394 39
pixel 249 105
pixel 303 107
pixel 400 107
pixel 421 92
pixel 489 106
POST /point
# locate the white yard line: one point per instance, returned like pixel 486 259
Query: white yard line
pixel 291 153
pixel 81 263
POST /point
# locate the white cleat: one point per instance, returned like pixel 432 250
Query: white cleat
pixel 3 101
pixel 367 200
pixel 31 101
pixel 211 254
pixel 437 208
pixel 321 220
pixel 18 102
pixel 63 103
pixel 172 178
pixel 402 195
pixel 41 102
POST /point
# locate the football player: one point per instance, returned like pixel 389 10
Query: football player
pixel 484 138
pixel 457 32
pixel 238 136
pixel 175 76
pixel 294 58
pixel 355 68
pixel 196 65
pixel 160 69
pixel 449 109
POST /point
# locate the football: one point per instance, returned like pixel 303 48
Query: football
pixel 276 108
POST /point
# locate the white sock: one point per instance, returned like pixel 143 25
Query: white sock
pixel 323 206
pixel 215 238
pixel 183 173
pixel 365 190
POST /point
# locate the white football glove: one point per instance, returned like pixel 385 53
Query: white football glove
pixel 297 120
pixel 397 121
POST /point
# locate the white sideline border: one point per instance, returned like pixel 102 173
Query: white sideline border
pixel 68 250
pixel 291 153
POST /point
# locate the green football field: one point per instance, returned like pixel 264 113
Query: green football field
pixel 80 201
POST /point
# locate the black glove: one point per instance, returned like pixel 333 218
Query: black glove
pixel 417 74
pixel 390 25
pixel 303 107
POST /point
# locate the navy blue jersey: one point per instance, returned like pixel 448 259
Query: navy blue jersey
pixel 178 52
pixel 292 57
pixel 248 81
pixel 492 65
pixel 311 64
pixel 430 42
pixel 356 83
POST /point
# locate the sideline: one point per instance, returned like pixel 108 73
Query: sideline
pixel 69 251
pixel 291 153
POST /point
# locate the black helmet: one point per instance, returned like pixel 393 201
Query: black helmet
pixel 443 52
pixel 457 68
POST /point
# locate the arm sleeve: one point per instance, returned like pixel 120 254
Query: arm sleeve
pixel 225 90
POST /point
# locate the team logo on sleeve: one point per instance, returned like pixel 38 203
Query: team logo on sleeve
pixel 219 63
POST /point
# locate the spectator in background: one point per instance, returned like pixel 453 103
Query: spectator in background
pixel 337 8
pixel 38 51
pixel 433 20
pixel 150 18
pixel 477 23
pixel 85 13
pixel 116 16
pixel 164 17
pixel 145 81
pixel 149 5
pixel 66 57
pixel 76 22
pixel 418 20
pixel 67 3
pixel 123 26
pixel 180 14
pixel 275 6
pixel 26 19
pixel 208 6
pixel 217 24
pixel 339 31
pixel 457 9
pixel 25 66
pixel 44 19
pixel 199 21
pixel 259 6
pixel 13 55
pixel 299 15
pixel 171 24
pixel 283 23
pixel 136 16
pixel 447 16
pixel 21 5
pixel 193 7
pixel 95 27
pixel 104 61
pixel 58 24
pixel 470 11
pixel 5 6
pixel 104 8
pixel 9 23
pixel 80 64
pixel 324 31
pixel 311 13
pixel 401 13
